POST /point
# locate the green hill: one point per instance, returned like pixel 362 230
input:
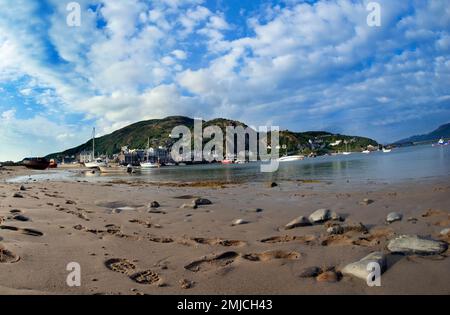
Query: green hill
pixel 158 130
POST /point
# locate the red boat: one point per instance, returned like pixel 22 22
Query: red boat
pixel 36 163
pixel 53 164
pixel 227 162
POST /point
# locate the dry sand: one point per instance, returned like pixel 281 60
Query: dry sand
pixel 132 251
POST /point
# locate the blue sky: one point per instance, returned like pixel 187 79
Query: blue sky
pixel 302 65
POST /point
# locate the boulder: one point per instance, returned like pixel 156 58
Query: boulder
pixel 297 222
pixel 413 244
pixel 359 270
pixel 393 216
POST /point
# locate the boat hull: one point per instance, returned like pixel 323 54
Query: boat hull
pixel 291 158
pixel 36 163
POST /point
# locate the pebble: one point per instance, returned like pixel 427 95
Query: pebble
pixel 394 216
pixel 297 222
pixel 310 272
pixel 202 202
pixel 154 204
pixel 239 222
pixel 17 195
pixel 445 232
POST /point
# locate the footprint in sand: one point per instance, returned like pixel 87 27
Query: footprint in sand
pixel 7 257
pixel 120 265
pixel 304 239
pixel 145 277
pixel 217 241
pixel 270 255
pixel 30 232
pixel 216 261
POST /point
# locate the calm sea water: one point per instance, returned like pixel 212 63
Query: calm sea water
pixel 419 162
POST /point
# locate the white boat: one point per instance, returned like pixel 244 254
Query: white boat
pixel 346 153
pixel 366 151
pixel 97 163
pixel 147 164
pixel 112 169
pixel 291 158
pixel 386 150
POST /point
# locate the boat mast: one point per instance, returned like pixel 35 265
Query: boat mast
pixel 93 144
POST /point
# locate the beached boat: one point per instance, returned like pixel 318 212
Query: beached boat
pixel 291 158
pixel 36 163
pixel 97 163
pixel 112 169
pixel 53 164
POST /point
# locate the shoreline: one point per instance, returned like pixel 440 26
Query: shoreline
pixel 109 229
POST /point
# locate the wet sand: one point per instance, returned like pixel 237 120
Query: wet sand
pixel 123 248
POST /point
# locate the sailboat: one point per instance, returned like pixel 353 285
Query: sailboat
pixel 95 162
pixel 147 163
pixel 346 152
pixel 441 142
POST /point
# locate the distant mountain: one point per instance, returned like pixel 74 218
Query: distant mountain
pixel 441 132
pixel 158 130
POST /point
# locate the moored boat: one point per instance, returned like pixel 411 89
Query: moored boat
pixel 36 163
pixel 291 158
pixel 97 163
pixel 53 164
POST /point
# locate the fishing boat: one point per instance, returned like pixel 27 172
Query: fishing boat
pixel 386 150
pixel 36 163
pixel 53 164
pixel 291 158
pixel 366 152
pixel 95 162
pixel 148 164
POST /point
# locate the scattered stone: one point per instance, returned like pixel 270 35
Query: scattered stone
pixel 273 184
pixel 20 217
pixel 323 215
pixel 257 210
pixel 239 222
pixel 297 222
pixel 188 206
pixel 394 216
pixel 366 201
pixel 445 232
pixel 413 244
pixel 70 202
pixel 22 188
pixel 17 195
pixel 186 284
pixel 329 276
pixel 202 202
pixel 310 272
pixel 154 204
pixel 412 220
pixel 359 270
pixel 335 229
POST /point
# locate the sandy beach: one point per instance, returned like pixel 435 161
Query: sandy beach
pixel 124 246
